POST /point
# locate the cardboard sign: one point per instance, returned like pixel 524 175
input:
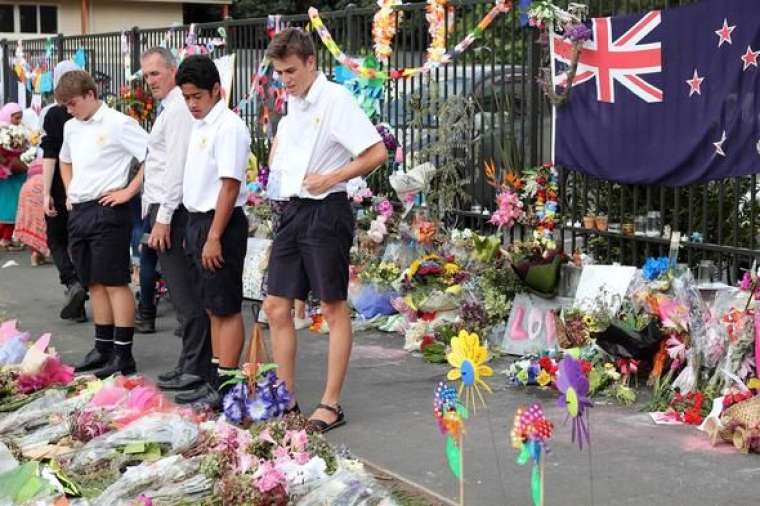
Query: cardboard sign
pixel 531 327
pixel 226 67
pixel 611 280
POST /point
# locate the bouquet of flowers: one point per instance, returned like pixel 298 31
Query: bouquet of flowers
pixel 541 371
pixel 537 264
pixel 134 101
pixel 14 144
pixel 373 295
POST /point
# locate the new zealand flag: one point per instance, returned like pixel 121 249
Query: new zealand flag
pixel 669 97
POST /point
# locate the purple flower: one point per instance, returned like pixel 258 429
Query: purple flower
pixel 388 138
pixel 263 177
pixel 234 403
pixel 578 33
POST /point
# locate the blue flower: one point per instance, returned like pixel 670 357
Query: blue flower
pixel 655 267
pixel 234 403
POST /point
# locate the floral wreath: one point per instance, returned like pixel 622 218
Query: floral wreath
pixel 384 28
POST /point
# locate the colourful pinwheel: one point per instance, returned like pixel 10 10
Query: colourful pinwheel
pixel 450 415
pixel 573 387
pixel 530 432
pixel 467 359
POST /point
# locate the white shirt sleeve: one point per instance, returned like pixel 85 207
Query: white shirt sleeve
pixel 134 139
pixel 178 127
pixel 232 146
pixel 64 154
pixel 351 128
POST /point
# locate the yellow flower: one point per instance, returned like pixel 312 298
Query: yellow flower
pixel 543 378
pixel 414 267
pixel 454 289
pixel 451 269
pixel 467 359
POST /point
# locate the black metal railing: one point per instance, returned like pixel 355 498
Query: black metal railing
pixel 511 123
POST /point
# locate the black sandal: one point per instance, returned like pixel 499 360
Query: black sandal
pixel 321 426
pixel 294 409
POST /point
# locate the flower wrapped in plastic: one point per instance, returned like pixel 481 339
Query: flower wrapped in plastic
pixel 537 263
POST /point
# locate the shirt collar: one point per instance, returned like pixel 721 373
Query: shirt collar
pixel 173 96
pixel 314 92
pixel 215 113
pixel 99 114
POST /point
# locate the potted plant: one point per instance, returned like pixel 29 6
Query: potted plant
pixel 588 221
pixel 601 222
pixel 628 227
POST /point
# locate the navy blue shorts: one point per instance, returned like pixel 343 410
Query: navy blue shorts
pixel 99 240
pixel 221 290
pixel 311 249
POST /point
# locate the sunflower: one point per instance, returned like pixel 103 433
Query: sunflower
pixel 467 359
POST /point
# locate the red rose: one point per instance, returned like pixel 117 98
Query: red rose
pixel 586 366
pixel 426 341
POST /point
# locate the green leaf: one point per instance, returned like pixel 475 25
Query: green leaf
pixel 454 457
pixel 535 485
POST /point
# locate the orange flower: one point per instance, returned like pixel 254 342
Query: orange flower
pixel 512 179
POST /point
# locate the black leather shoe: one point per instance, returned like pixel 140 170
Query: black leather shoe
pixel 76 295
pixel 184 381
pixel 93 360
pixel 145 325
pixel 204 394
pixel 170 375
pixel 118 363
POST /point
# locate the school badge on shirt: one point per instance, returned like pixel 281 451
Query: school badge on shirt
pixel 203 143
pixel 101 139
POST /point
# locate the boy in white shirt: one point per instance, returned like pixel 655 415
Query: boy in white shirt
pixel 99 145
pixel 217 231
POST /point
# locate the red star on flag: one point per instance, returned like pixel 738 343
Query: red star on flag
pixel 719 145
pixel 695 84
pixel 750 58
pixel 725 33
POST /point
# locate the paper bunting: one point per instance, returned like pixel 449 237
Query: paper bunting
pixel 530 432
pixel 467 359
pixel 574 388
pixel 500 6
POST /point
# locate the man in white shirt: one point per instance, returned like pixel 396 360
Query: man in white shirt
pixel 98 147
pixel 324 141
pixel 214 193
pixel 162 201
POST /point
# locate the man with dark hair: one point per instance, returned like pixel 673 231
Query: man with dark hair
pixel 167 219
pixel 324 141
pixel 217 231
pixel 98 147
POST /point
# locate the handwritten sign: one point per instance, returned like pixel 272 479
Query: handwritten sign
pixel 531 326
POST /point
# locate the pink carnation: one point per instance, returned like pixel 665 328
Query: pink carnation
pixel 268 477
pixel 510 209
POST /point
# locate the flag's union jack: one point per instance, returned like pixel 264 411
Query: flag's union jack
pixel 623 59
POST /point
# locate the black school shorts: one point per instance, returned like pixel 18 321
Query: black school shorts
pixel 221 290
pixel 311 249
pixel 99 239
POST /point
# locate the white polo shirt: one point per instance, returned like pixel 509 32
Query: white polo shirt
pixel 100 151
pixel 320 134
pixel 167 152
pixel 219 147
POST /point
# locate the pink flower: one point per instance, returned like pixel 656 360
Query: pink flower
pixel 302 458
pixel 53 372
pixel 281 454
pixel 268 477
pixel 297 439
pixel 510 209
pixel 746 282
pixel 265 435
pixel 384 208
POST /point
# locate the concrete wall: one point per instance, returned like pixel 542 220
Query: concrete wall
pixel 106 15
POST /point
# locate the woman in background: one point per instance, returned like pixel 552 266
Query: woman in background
pixel 12 177
pixel 30 218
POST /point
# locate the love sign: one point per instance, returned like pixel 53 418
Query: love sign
pixel 531 327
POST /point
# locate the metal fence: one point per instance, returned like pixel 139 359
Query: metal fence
pixel 510 121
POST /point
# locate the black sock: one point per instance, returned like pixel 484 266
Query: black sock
pixel 104 338
pixel 225 374
pixel 214 372
pixel 122 340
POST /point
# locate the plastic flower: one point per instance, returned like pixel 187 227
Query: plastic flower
pixel 467 359
pixel 543 378
pixel 655 267
pixel 574 388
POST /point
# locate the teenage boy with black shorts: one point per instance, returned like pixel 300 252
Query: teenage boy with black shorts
pixel 217 230
pixel 98 147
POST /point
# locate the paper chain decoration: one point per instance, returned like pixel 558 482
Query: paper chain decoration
pixel 356 66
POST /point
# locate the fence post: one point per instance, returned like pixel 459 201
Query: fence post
pixel 59 47
pixel 7 70
pixel 350 32
pixel 136 50
pixel 534 95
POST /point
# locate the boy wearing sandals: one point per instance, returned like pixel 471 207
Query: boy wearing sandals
pixel 324 141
